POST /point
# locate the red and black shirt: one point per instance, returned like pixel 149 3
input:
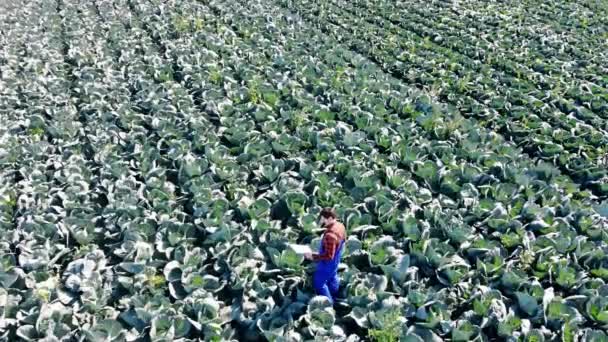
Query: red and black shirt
pixel 335 233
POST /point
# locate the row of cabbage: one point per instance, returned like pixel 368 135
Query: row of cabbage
pixel 522 115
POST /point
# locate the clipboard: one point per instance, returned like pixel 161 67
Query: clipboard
pixel 300 249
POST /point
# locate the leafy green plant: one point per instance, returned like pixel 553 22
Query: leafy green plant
pixel 37 131
pixel 390 327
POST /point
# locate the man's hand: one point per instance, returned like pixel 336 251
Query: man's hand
pixel 308 256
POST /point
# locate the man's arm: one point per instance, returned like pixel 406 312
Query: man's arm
pixel 330 245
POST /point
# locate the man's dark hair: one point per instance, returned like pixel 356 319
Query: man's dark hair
pixel 328 213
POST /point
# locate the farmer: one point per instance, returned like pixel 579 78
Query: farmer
pixel 325 279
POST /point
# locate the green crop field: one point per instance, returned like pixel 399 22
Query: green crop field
pixel 158 157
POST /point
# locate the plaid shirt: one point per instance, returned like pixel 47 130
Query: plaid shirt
pixel 334 234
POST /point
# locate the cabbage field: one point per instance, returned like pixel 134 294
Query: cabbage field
pixel 158 158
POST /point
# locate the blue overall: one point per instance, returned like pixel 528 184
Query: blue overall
pixel 325 279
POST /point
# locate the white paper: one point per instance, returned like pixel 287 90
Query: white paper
pixel 301 249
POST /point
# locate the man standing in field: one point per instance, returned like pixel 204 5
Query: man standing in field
pixel 325 279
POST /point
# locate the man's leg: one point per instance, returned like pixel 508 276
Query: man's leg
pixel 319 282
pixel 333 283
